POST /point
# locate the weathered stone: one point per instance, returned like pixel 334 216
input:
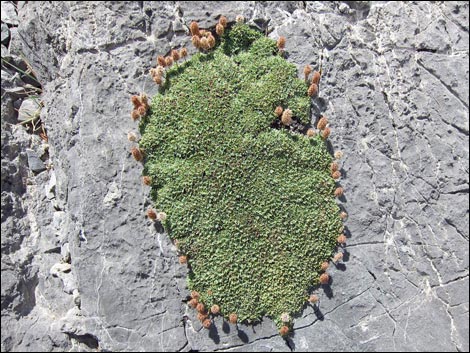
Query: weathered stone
pixel 395 89
pixel 9 14
pixel 29 109
pixel 34 162
pixel 5 35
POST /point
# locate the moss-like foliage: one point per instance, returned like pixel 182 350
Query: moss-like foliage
pixel 251 206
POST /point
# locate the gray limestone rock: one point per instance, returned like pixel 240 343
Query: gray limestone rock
pixel 9 14
pixel 395 89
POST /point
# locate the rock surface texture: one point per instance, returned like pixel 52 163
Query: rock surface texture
pixel 84 270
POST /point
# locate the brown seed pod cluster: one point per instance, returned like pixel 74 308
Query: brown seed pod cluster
pixel 215 309
pixel 163 62
pixel 313 299
pixel 137 153
pixel 233 318
pixel 325 133
pixel 141 106
pixel 284 330
pixel 339 191
pixel 207 323
pixel 321 125
pixel 286 118
pixel 183 259
pixel 334 167
pixel 338 257
pixel 281 43
pixel 203 39
pixel 146 180
pixel 312 90
pixel 343 215
pixel 341 239
pixel 151 214
pixel 324 266
pixel 193 303
pixel 336 174
pixel 307 72
pixel 278 111
pixel 316 78
pixel 310 132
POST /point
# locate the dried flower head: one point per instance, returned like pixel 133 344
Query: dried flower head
pixel 310 132
pixel 278 111
pixel 325 133
pixel 219 29
pixel 322 123
pixel 151 214
pixel 142 111
pixel 312 90
pixel 338 154
pixel 183 259
pixel 160 70
pixel 153 72
pixel 338 257
pixel 223 21
pixel 307 71
pixel 204 43
pixel 316 77
pixel 334 167
pixel 175 55
pixel 341 239
pixel 313 299
pixel 215 309
pixel 324 266
pixel 233 318
pixel 193 303
pixel 137 153
pixel 324 278
pixel 146 180
pixel 183 52
pixel 169 61
pixel 339 192
pixel 205 33
pixel 131 136
pixel 144 100
pixel 281 42
pixel 195 295
pixel 161 61
pixel 284 330
pixel 161 216
pixel 285 317
pixel 194 28
pixel 196 42
pixel 135 101
pixel 343 215
pixel 201 308
pixel 211 41
pixel 135 115
pixel 336 175
pixel 240 19
pixel 207 323
pixel 286 118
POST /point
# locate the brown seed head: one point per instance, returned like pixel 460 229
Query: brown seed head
pixel 240 19
pixel 161 61
pixel 219 29
pixel 310 132
pixel 153 72
pixel 161 216
pixel 204 43
pixel 341 239
pixel 183 52
pixel 338 257
pixel 160 70
pixel 325 133
pixel 307 71
pixel 313 299
pixel 142 110
pixel 135 115
pixel 169 61
pixel 194 28
pixel 336 175
pixel 284 330
pixel 324 278
pixel 158 80
pixel 334 167
pixel 233 318
pixel 338 154
pixel 137 153
pixel 316 77
pixel 175 55
pixel 151 214
pixel 322 123
pixel 312 90
pixel 196 42
pixel 193 303
pixel 339 192
pixel 147 180
pixel 223 21
pixel 278 111
pixel 135 101
pixel 215 309
pixel 195 295
pixel 343 215
pixel 201 308
pixel 211 41
pixel 286 118
pixel 207 323
pixel 281 42
pixel 182 260
pixel 324 266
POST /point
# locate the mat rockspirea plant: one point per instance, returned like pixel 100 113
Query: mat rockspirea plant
pixel 246 183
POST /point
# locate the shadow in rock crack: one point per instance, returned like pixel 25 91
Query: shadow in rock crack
pixel 242 335
pixel 225 327
pixel 214 334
